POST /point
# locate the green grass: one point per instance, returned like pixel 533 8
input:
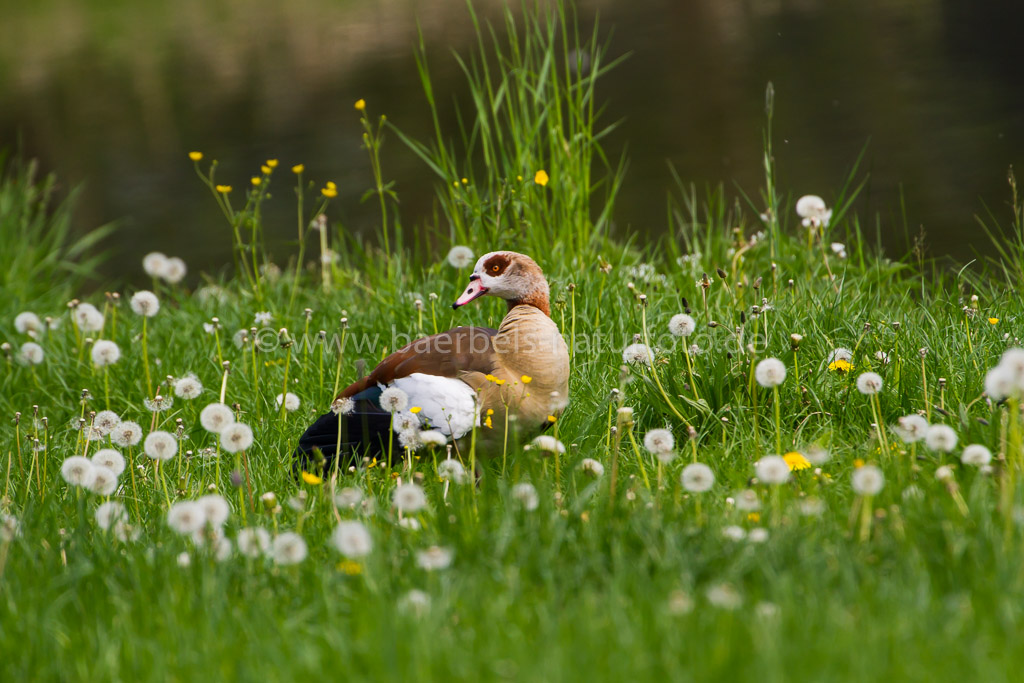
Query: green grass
pixel 591 584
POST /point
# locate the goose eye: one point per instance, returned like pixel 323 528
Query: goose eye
pixel 495 268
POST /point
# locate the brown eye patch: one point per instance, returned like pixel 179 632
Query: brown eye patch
pixel 496 265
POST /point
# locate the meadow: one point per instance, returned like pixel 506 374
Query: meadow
pixel 857 512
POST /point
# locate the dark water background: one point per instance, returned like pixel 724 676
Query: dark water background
pixel 114 93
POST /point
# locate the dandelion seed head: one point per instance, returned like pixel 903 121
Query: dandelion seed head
pixel 460 257
pixel 772 469
pixel 911 428
pixel 87 318
pixel 434 558
pixel 343 406
pixel 263 318
pixel 526 495
pixel 215 508
pixel 659 441
pixel 944 473
pixel 145 303
pixel 104 481
pixel 869 383
pixel 415 601
pixel 409 498
pixel 105 421
pixel 592 467
pixel 175 270
pixel 186 517
pixel 289 548
pixel 1000 383
pixel 817 455
pixel 682 325
pixel 110 513
pixel 348 498
pixel 724 596
pixel 105 352
pixel 405 422
pixel 352 539
pixel 78 471
pixel 126 434
pixel 155 264
pixel 28 323
pixel 393 399
pixel 188 387
pixel 158 403
pixel 771 372
pixel 433 438
pixel 290 400
pixel 216 417
pixel 638 353
pixel 697 478
pixel 110 459
pixel 976 455
pixel 940 438
pixel 452 470
pixel 867 480
pixel 236 437
pixel 160 445
pixel 253 542
pixel 747 500
pixel 548 444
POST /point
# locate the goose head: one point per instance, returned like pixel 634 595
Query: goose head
pixel 508 275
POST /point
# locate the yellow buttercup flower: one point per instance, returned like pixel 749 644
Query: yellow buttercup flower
pixel 541 177
pixel 487 422
pixel 858 463
pixel 465 181
pixel 265 170
pixel 754 517
pixel 840 366
pixel 993 321
pixel 311 478
pixel 796 461
pixel 415 409
pixel 195 156
pixel 552 419
pixel 361 105
pixel 223 189
pixel 256 180
pixel 526 379
pixel 272 163
pixel 298 168
pixel 490 411
pixel 329 192
pixel 349 567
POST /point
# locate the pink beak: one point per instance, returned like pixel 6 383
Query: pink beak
pixel 473 291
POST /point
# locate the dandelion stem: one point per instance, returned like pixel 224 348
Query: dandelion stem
pixel 778 421
pixel 639 458
pixel 145 358
pixel 654 372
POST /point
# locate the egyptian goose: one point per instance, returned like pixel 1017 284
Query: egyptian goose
pixel 455 376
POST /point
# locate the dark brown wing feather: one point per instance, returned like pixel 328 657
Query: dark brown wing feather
pixel 459 350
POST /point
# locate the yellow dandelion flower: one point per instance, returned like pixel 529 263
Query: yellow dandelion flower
pixel 526 379
pixel 360 105
pixel 195 156
pixel 311 478
pixel 465 181
pixel 298 168
pixel 223 189
pixel 796 461
pixel 552 419
pixel 541 177
pixel 519 178
pixel 330 185
pixel 490 411
pixel 256 180
pixel 350 568
pixel 840 366
pixel 329 192
pixel 754 517
pixel 272 163
pixel 858 463
pixel 265 170
pixel 993 321
pixel 487 422
pixel 415 409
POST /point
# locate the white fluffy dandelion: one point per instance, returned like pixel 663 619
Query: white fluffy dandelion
pixel 188 387
pixel 548 444
pixel 126 434
pixel 840 354
pixel 186 517
pixel 771 372
pixel 105 352
pixel 31 354
pixel 111 459
pixel 869 383
pixel 105 421
pixel 175 271
pixel 263 318
pixel 638 353
pixel 343 406
pixel 526 494
pixel 772 469
pixel 348 498
pixel 697 478
pixel 976 455
pixel 253 541
pixel 104 481
pixel 734 533
pixel 415 601
pixel 160 445
pixel 433 438
pixel 215 508
pixel 659 441
pixel 867 480
pixel 236 437
pixel 758 535
pixel 451 470
pixel 289 548
pixel 911 428
pixel 216 417
pixel 747 500
pixel 28 323
pixel 145 303
pixel 404 422
pixel 87 318
pixel 78 471
pixel 110 513
pixel 352 539
pixel 393 399
pixel 813 210
pixel 724 596
pixel 682 325
pixel 592 468
pixel 940 438
pixel 460 257
pixel 409 498
pixel 155 264
pixel 434 558
pixel 1000 383
pixel 290 400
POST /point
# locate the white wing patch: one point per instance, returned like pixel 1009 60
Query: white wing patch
pixel 446 404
